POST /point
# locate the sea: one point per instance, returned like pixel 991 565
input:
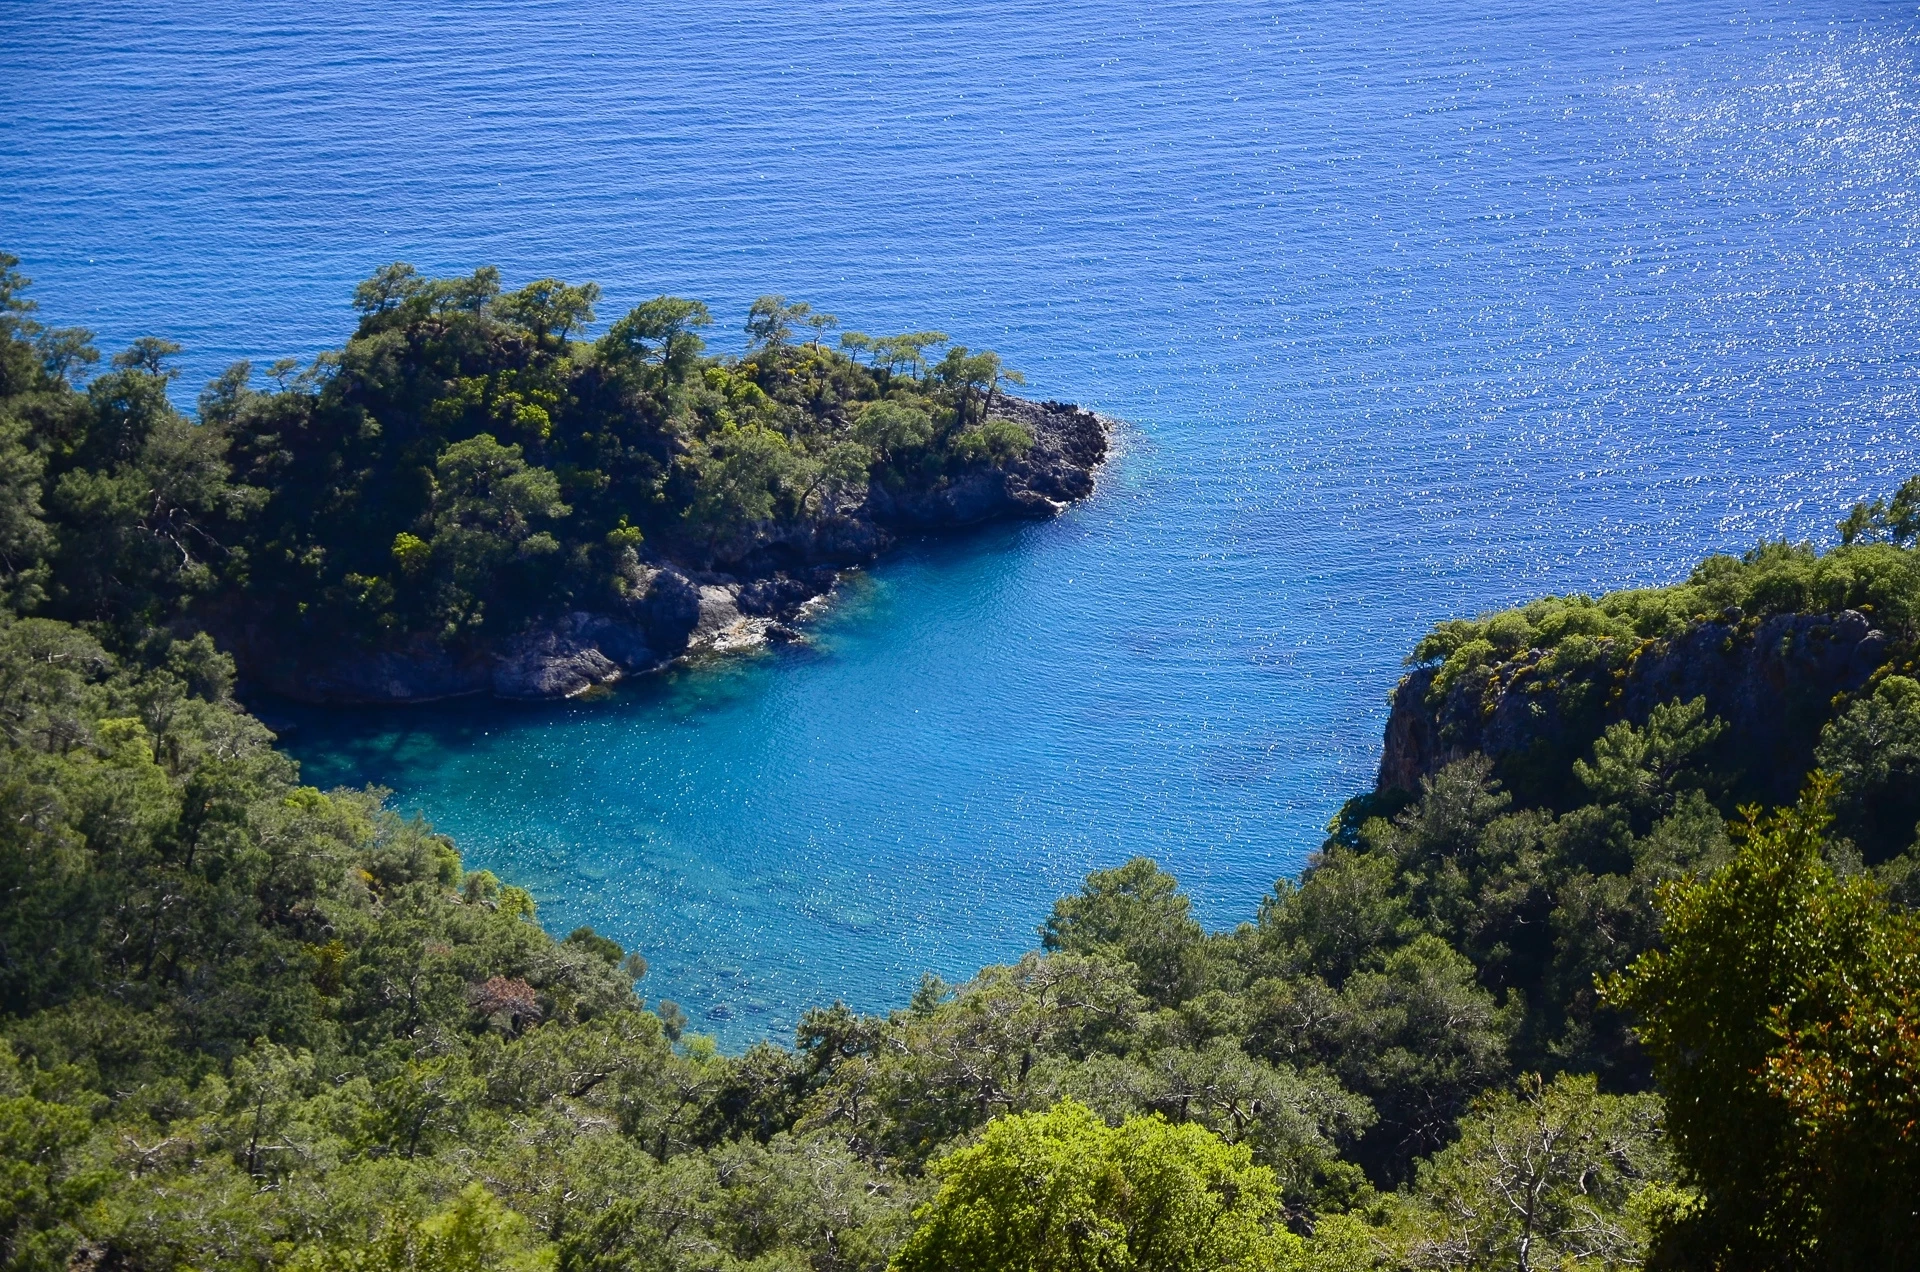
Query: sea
pixel 1403 311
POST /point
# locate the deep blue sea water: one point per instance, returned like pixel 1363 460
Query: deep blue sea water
pixel 1409 310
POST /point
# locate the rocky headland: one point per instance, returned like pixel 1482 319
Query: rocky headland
pixel 747 592
pixel 1773 681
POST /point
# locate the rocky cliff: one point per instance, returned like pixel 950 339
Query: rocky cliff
pixel 1773 681
pixel 750 592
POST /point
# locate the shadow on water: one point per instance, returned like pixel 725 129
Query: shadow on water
pixel 383 745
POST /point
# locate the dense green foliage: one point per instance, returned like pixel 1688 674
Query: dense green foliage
pixel 1061 1191
pixel 1549 1175
pixel 1877 576
pixel 1784 1019
pixel 464 462
pixel 247 1024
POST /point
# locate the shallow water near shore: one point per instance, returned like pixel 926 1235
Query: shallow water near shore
pixel 1408 312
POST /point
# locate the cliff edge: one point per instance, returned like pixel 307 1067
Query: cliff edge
pixel 1772 681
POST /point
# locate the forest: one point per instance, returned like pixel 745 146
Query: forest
pixel 1611 1005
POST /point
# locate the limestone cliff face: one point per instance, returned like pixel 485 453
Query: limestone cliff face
pixel 747 594
pixel 1773 682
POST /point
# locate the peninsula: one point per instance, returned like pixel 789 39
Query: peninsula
pixel 468 497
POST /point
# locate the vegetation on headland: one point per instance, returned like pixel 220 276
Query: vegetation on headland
pixel 467 461
pixel 1602 1021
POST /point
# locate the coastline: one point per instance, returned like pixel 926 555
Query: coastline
pixel 751 593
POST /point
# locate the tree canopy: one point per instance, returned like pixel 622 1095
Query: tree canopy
pixel 1061 1191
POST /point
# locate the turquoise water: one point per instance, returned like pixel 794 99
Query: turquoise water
pixel 1409 311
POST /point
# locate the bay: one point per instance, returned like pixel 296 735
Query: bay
pixel 1406 311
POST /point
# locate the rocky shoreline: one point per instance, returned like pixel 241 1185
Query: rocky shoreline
pixel 750 594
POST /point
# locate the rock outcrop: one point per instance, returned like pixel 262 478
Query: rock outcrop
pixel 1772 681
pixel 1068 444
pixel 748 595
